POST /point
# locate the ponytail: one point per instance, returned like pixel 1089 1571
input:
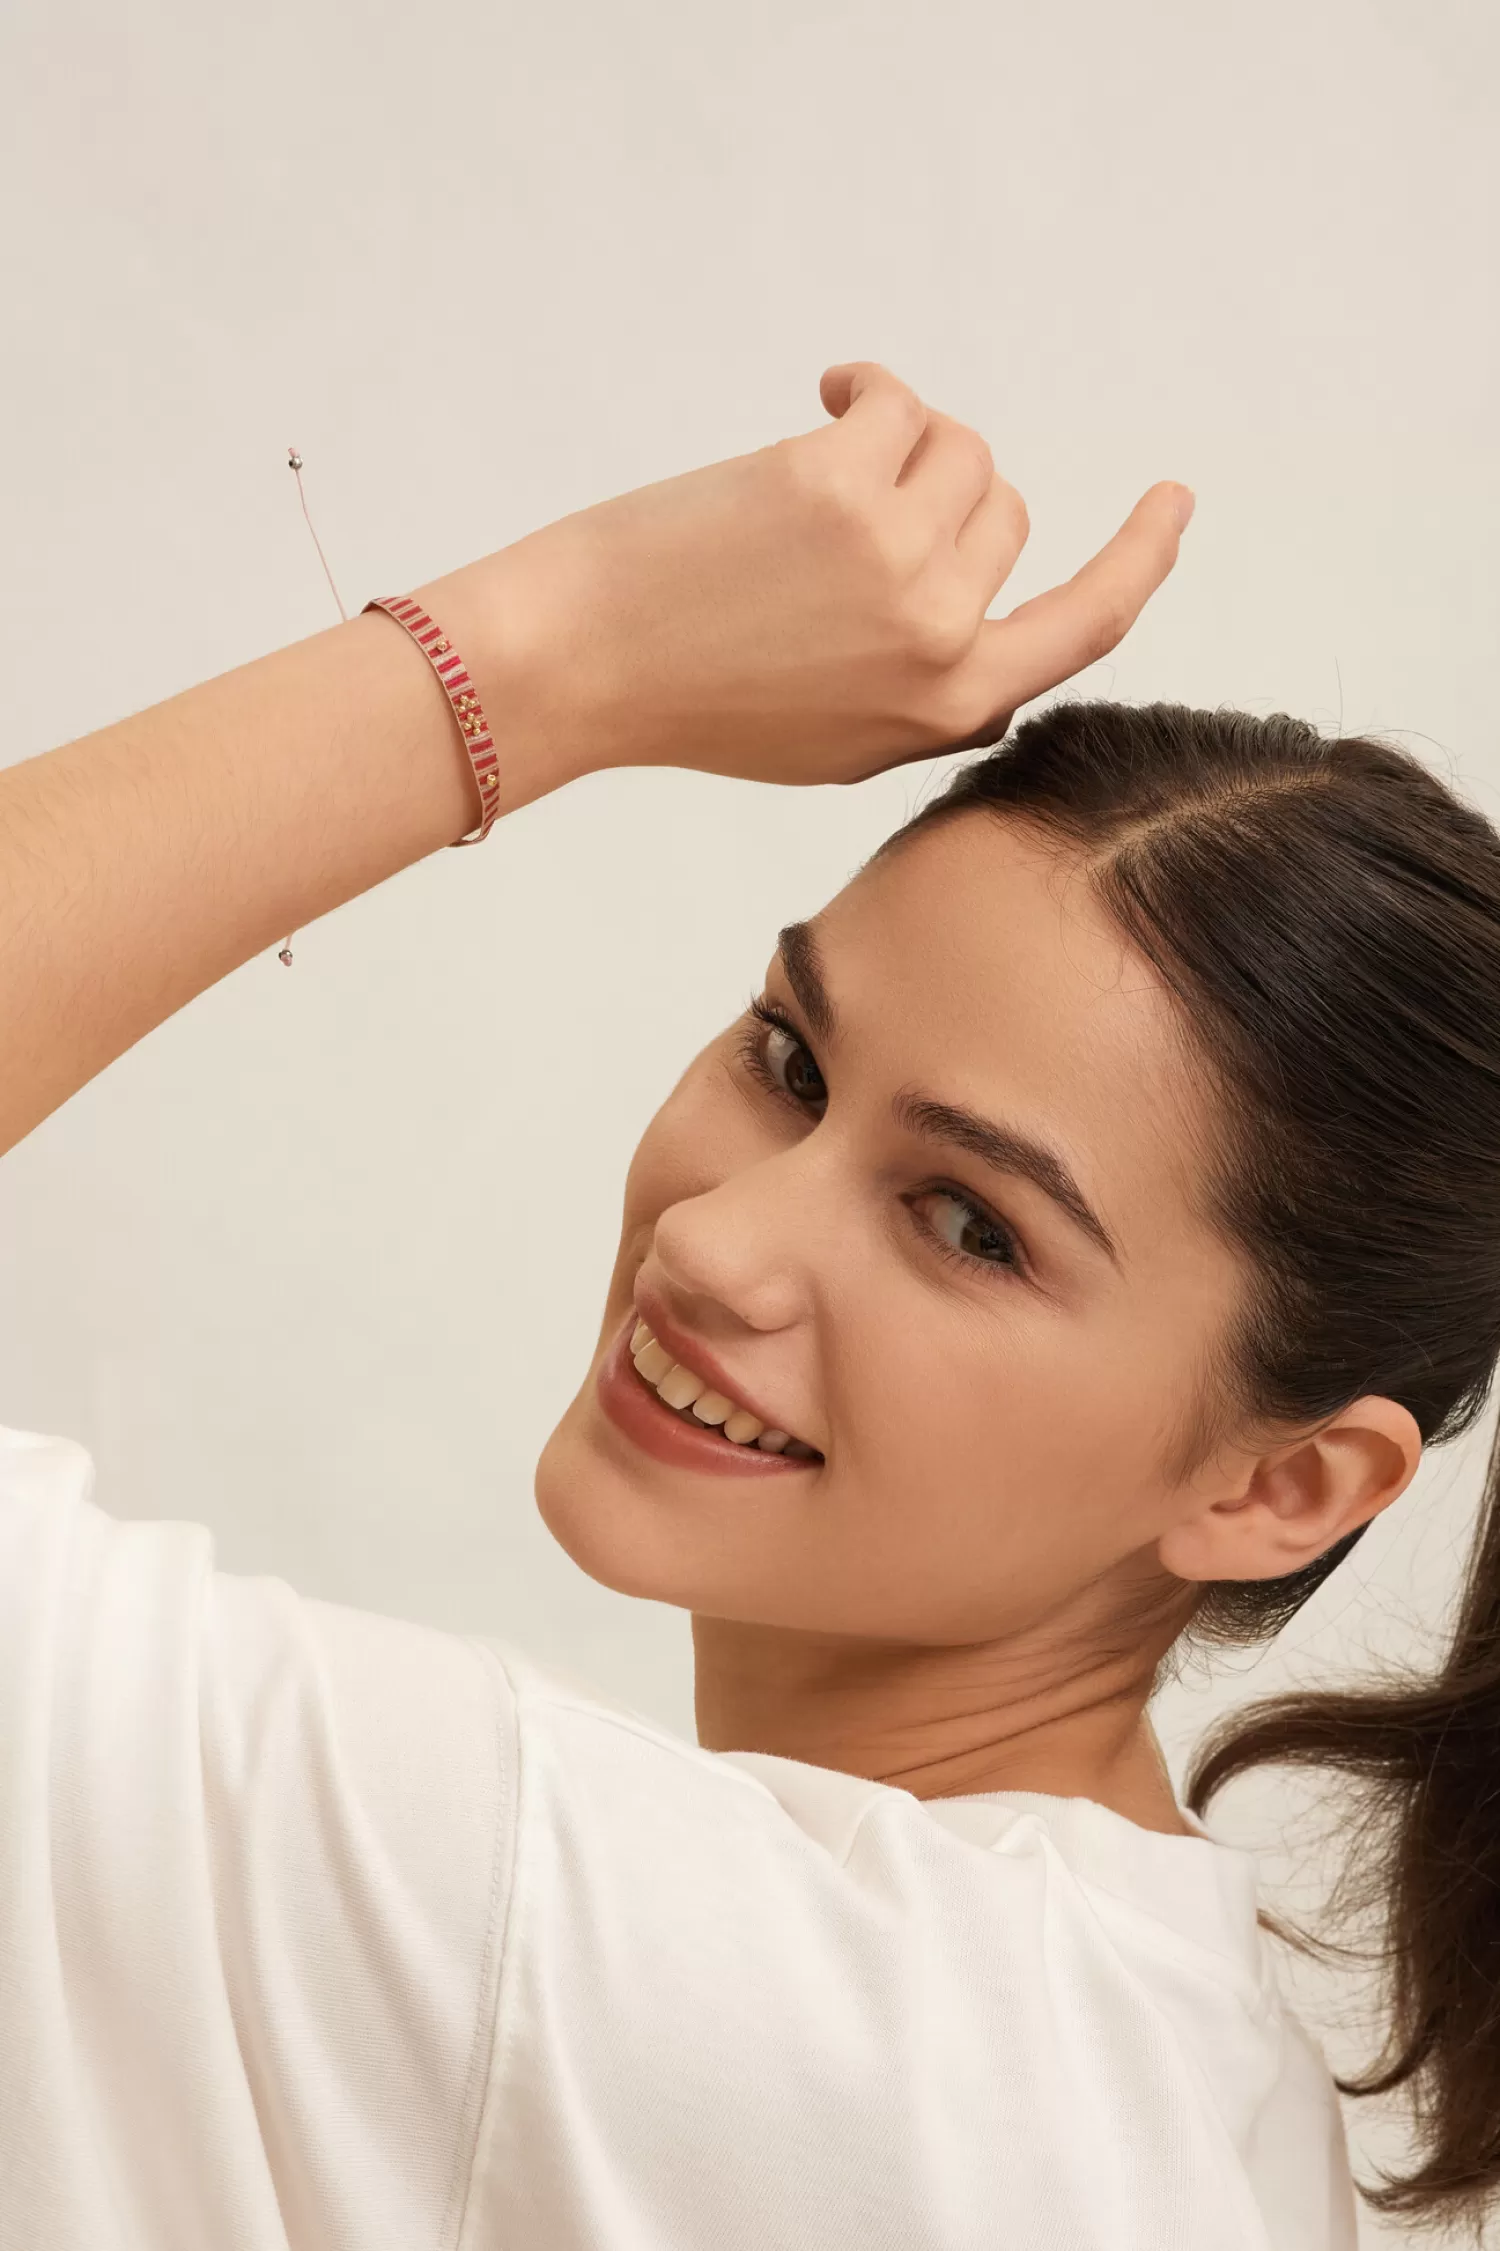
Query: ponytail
pixel 1424 1760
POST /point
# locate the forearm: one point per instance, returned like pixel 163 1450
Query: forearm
pixel 812 612
pixel 142 863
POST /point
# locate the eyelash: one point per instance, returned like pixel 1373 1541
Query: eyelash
pixel 766 1016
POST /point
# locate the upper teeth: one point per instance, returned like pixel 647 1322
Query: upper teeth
pixel 682 1387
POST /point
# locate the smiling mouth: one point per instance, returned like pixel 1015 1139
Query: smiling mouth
pixel 693 1398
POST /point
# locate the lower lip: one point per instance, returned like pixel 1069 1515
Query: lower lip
pixel 636 1410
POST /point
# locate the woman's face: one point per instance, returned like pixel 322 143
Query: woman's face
pixel 944 1224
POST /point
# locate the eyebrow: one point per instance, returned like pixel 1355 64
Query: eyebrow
pixel 995 1145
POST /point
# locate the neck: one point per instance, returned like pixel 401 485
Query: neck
pixel 938 1722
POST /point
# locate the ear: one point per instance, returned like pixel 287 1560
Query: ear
pixel 1270 1513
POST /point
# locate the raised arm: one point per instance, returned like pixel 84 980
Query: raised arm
pixel 813 612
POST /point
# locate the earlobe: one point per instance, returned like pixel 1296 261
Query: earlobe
pixel 1299 1499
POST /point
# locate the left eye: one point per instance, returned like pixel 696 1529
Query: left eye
pixel 964 1228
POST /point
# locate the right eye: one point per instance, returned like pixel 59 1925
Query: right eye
pixel 775 1053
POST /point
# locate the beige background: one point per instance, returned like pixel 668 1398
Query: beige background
pixel 320 1264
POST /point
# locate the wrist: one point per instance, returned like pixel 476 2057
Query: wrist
pixel 492 613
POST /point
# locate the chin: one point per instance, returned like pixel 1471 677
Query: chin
pixel 604 1522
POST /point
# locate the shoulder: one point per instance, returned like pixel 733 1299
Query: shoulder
pixel 585 1751
pixel 128 1621
pixel 305 1811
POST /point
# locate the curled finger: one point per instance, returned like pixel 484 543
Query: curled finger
pixel 880 418
pixel 947 475
pixel 991 538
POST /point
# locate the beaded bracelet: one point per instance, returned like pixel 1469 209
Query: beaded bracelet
pixel 467 709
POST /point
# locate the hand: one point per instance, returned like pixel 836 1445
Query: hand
pixel 813 612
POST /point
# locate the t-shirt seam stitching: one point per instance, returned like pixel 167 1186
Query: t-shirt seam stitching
pixel 574 1701
pixel 497 1928
pixel 1197 2076
pixel 647 1732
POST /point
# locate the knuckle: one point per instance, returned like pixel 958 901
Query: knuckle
pixel 816 479
pixel 800 462
pixel 950 716
pixel 979 452
pixel 960 445
pixel 939 629
pixel 914 412
pixel 900 552
pixel 964 709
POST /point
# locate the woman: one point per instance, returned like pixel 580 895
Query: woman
pixel 1076 1244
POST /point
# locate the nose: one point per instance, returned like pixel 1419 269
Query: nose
pixel 742 1255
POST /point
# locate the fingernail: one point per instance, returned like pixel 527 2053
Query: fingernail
pixel 1187 501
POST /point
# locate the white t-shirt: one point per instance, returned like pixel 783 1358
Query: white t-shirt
pixel 322 1931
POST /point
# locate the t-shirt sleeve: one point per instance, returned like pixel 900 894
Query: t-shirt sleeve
pixel 358 1787
pixel 253 1882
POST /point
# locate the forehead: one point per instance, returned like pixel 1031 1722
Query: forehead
pixel 978 962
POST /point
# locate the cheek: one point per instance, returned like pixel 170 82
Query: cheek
pixel 1022 1438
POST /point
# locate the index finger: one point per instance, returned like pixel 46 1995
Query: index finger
pixel 879 416
pixel 1046 640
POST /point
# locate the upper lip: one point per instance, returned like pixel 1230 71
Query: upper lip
pixel 697 1356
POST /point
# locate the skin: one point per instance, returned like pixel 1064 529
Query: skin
pixel 973 1590
pixel 813 612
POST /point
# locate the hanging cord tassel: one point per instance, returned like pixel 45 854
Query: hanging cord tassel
pixel 294 463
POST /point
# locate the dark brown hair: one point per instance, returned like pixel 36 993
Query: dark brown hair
pixel 1328 915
